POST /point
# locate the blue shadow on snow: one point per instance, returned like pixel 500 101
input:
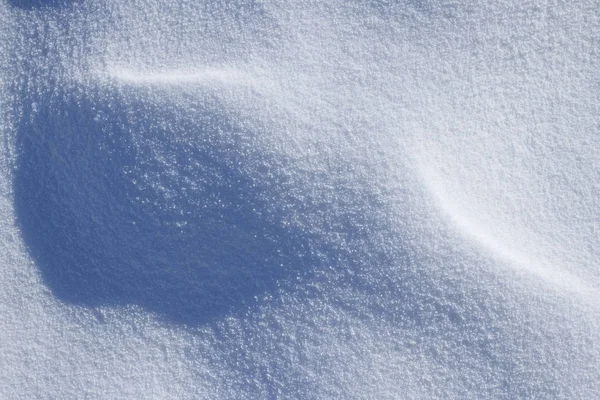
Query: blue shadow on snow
pixel 125 202
pixel 31 4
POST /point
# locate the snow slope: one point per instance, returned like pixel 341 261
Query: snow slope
pixel 304 199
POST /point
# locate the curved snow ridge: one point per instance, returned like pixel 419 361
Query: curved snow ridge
pixel 533 264
pixel 205 76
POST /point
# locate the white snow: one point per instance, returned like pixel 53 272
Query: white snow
pixel 426 176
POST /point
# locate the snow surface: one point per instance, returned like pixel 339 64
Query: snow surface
pixel 249 199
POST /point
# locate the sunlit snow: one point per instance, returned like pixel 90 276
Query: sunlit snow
pixel 256 199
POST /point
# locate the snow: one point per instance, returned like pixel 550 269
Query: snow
pixel 299 199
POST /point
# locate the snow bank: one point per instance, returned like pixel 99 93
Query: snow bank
pixel 260 199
